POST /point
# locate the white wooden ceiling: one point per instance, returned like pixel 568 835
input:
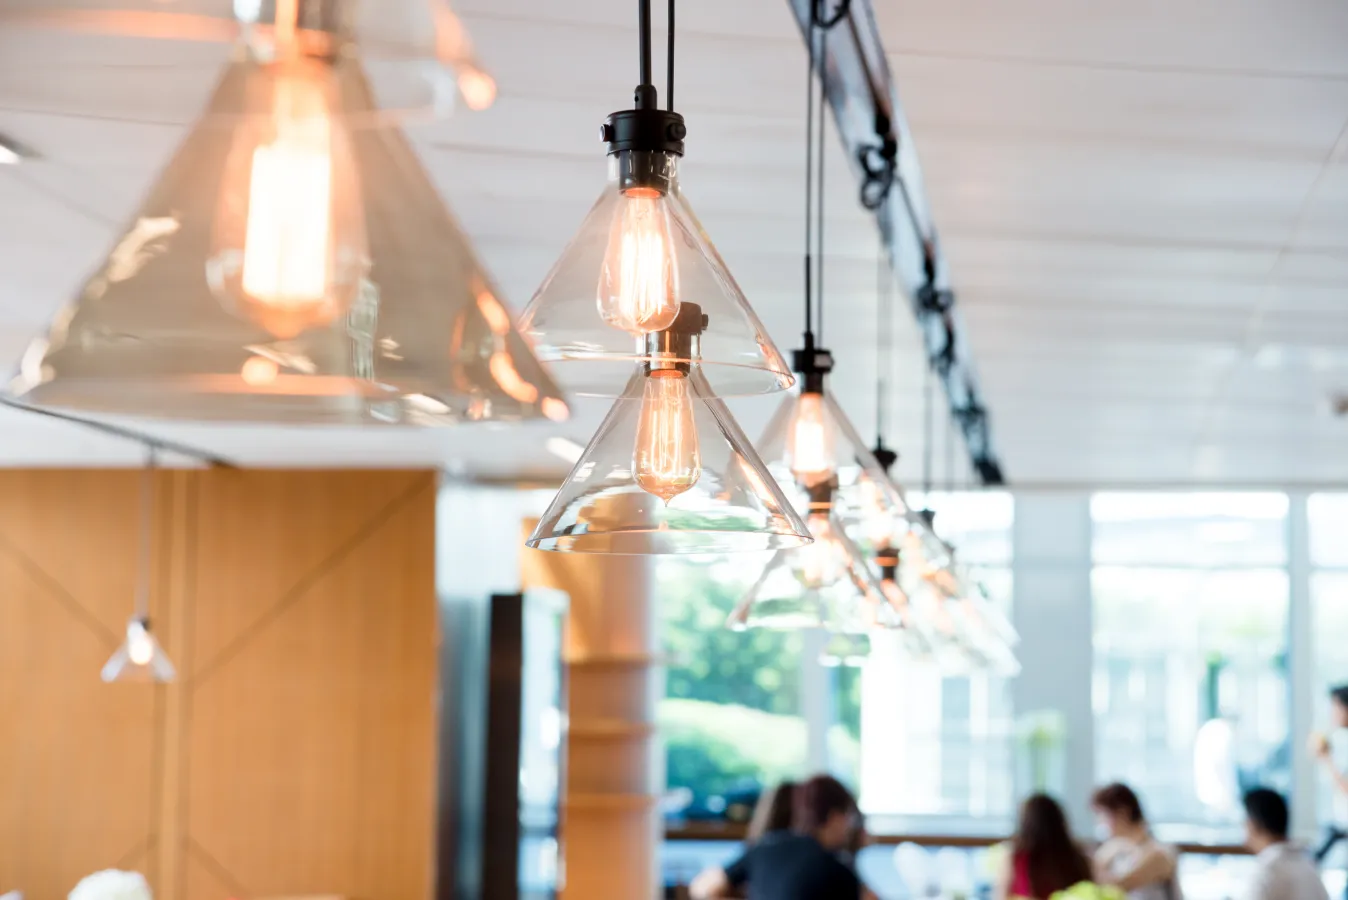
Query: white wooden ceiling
pixel 1144 205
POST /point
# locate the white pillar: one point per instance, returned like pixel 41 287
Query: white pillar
pixel 816 701
pixel 1301 667
pixel 1052 611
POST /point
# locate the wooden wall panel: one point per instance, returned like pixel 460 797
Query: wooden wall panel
pixel 77 757
pixel 295 755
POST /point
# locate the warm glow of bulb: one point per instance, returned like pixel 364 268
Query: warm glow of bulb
pixel 258 371
pixel 555 409
pixel 820 564
pixel 139 644
pixel 809 442
pixel 638 281
pixel 504 373
pixel 666 461
pixel 498 320
pixel 478 89
pixel 289 248
pixel 288 235
pixel 878 517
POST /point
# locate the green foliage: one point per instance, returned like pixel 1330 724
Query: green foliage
pixel 757 669
pixel 713 747
pixel 732 708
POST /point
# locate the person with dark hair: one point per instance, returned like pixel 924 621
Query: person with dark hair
pixel 802 864
pixel 1322 748
pixel 772 813
pixel 1131 859
pixel 1045 858
pixel 1282 871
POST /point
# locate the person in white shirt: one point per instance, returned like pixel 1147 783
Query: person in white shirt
pixel 1323 749
pixel 1283 871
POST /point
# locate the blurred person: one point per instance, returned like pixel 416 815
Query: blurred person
pixel 802 864
pixel 1131 859
pixel 1282 871
pixel 1322 749
pixel 772 813
pixel 1044 857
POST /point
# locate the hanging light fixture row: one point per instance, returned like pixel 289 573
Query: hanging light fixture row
pixel 817 455
pixel 640 307
pixel 294 264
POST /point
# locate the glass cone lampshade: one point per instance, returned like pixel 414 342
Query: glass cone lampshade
pixel 669 471
pixel 990 635
pixel 782 600
pixel 139 658
pixel 811 442
pixel 639 255
pixel 293 264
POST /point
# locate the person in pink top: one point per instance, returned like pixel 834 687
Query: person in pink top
pixel 1044 858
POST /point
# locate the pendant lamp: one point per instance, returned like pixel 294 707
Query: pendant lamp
pixel 140 658
pixel 810 443
pixel 640 254
pixel 782 600
pixel 827 584
pixel 640 306
pixel 669 472
pixel 914 640
pixel 292 264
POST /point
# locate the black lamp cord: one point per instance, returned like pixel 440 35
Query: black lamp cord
pixel 883 353
pixel 819 187
pixel 644 49
pixel 809 187
pixel 928 434
pixel 820 21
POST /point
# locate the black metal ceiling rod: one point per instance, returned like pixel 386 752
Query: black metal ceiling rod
pixel 128 434
pixel 872 128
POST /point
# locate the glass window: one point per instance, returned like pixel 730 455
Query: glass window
pixel 1328 534
pixel 1328 529
pixel 1210 529
pixel 730 717
pixel 942 747
pixel 1190 638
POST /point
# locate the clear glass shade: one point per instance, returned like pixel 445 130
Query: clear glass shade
pixel 810 442
pixel 418 52
pixel 851 601
pixel 291 266
pixel 669 471
pixel 638 255
pixel 139 658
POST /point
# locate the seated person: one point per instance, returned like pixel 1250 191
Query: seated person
pixel 1131 859
pixel 796 865
pixel 1045 859
pixel 1282 871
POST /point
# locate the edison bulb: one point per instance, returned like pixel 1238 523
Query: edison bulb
pixel 809 441
pixel 289 244
pixel 139 644
pixel 820 564
pixel 638 281
pixel 666 461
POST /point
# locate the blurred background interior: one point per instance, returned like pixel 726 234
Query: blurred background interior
pixel 1083 267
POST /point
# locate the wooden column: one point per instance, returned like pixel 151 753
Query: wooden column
pixel 610 823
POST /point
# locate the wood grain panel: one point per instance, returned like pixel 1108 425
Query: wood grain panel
pixel 295 753
pixel 336 670
pixel 77 757
pixel 272 531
